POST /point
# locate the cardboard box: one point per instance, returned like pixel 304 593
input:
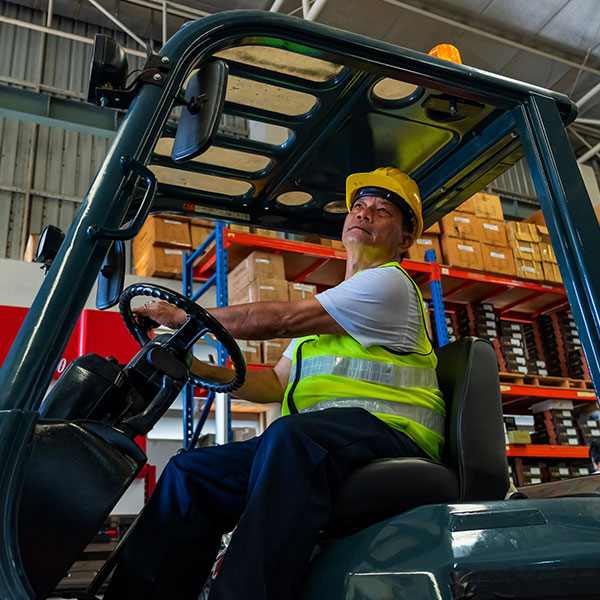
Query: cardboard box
pixel 463 254
pixel 461 225
pixel 31 248
pixel 519 437
pixel 551 272
pixel 273 349
pixel 300 291
pixel 498 259
pixel 524 232
pixel 239 228
pixel 547 252
pixel 201 222
pixel 487 206
pixel 264 232
pixel 529 269
pixel 493 233
pixel 537 218
pixel 419 248
pixel 526 250
pixel 333 243
pixel 261 290
pixel 251 350
pixel 198 234
pixel 544 234
pixel 468 206
pixel 258 265
pixel 435 229
pixel 155 261
pixel 166 232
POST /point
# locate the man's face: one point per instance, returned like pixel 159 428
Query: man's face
pixel 378 223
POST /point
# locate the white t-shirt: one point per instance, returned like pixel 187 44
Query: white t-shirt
pixel 377 306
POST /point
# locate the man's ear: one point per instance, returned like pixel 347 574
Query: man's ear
pixel 406 242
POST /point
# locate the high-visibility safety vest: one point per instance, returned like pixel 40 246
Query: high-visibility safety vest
pixel 400 388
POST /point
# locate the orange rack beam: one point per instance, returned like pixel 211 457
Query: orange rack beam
pixel 546 451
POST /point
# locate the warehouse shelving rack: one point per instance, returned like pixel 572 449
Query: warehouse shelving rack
pixel 449 288
pixel 218 279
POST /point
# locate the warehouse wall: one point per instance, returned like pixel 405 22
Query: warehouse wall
pixel 55 166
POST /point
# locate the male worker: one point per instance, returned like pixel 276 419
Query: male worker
pixel 357 383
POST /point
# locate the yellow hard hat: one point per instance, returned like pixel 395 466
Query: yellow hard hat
pixel 392 180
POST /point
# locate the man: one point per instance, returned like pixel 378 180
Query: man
pixel 595 456
pixel 357 383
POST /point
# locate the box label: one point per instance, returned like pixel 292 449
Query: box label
pixel 525 249
pixel 465 248
pixel 462 219
pixel 167 251
pixel 425 242
pixel 492 227
pixel 497 255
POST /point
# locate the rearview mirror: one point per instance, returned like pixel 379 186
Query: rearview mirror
pixel 111 277
pixel 201 115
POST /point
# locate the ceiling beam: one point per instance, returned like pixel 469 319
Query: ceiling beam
pixel 50 111
pixel 63 34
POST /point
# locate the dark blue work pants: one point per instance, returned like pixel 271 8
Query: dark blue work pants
pixel 277 488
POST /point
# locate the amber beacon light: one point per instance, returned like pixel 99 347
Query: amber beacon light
pixel 447 52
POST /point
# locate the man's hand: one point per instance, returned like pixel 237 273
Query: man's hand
pixel 162 312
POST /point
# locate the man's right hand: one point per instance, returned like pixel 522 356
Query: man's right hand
pixel 162 312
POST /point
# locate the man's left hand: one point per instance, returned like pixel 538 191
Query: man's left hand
pixel 162 312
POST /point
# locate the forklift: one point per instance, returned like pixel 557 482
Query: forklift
pixel 402 528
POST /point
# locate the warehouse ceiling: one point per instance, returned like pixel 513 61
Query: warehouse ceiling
pixel 549 43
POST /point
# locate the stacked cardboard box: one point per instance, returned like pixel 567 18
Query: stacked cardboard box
pixel 561 344
pixel 300 291
pixel 534 473
pixel 451 326
pixel 260 277
pixel 512 347
pixel 239 228
pixel 524 239
pixel 518 356
pixel 579 471
pixel 426 242
pixel 555 423
pixel 273 349
pixel 251 350
pixel 559 471
pixel 478 320
pixel 461 235
pixel 497 256
pixel 589 425
pixel 158 247
pixel 549 262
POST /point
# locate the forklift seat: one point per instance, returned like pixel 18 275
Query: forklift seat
pixel 474 466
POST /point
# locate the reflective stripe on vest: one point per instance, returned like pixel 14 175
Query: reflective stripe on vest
pixel 431 419
pixel 370 371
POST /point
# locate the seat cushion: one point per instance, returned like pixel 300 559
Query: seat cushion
pixel 390 486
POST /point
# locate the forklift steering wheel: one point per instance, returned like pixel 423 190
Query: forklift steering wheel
pixel 199 323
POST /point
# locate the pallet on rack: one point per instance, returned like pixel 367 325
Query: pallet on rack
pixel 546 381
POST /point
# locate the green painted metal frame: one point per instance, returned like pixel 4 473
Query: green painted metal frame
pixel 523 120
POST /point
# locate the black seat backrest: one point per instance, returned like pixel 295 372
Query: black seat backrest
pixel 468 377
